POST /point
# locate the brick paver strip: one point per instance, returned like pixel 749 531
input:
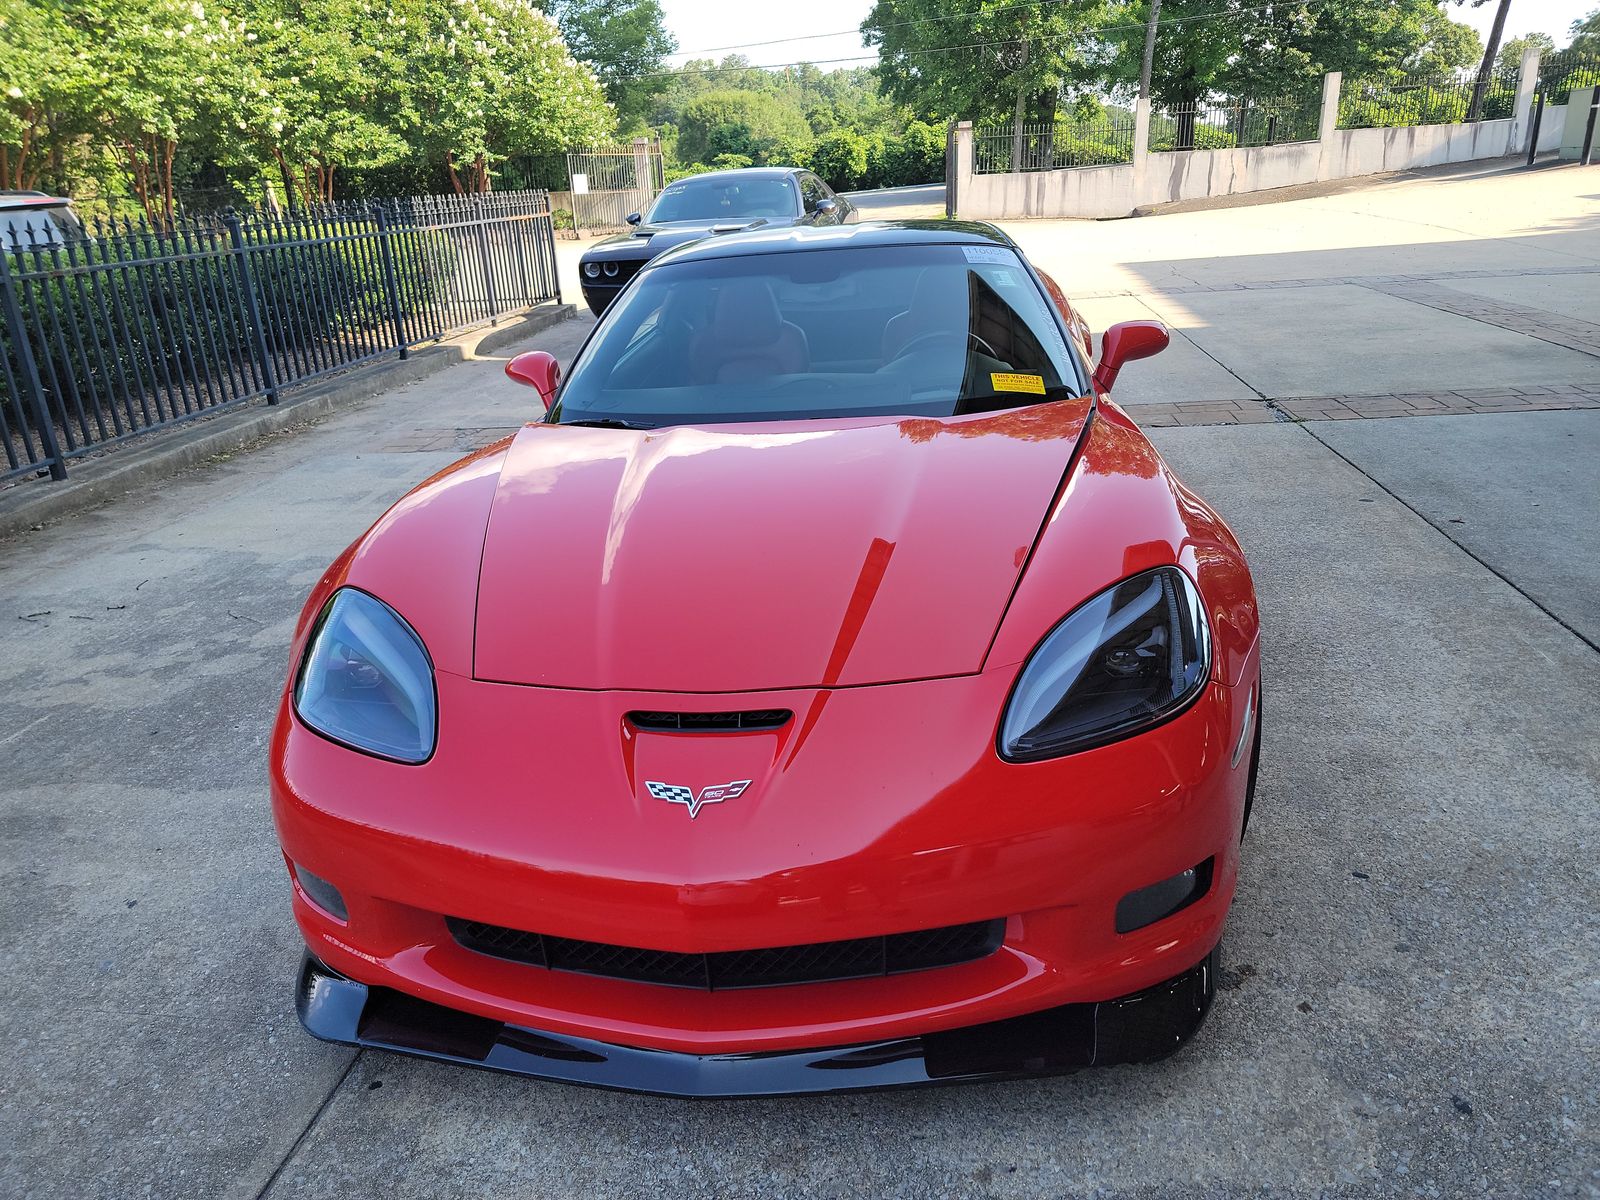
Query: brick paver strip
pixel 1377 282
pixel 1372 407
pixel 1555 328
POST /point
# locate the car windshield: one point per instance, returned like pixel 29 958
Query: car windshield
pixel 726 198
pixel 915 330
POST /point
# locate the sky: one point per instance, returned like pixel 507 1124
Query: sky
pixel 707 28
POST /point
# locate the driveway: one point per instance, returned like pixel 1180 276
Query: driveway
pixel 1409 1000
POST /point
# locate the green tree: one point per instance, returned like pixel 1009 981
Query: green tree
pixel 840 158
pixel 46 95
pixel 487 78
pixel 913 155
pixel 1511 53
pixel 1586 34
pixel 1281 50
pixel 165 73
pixel 750 123
pixel 625 42
pixel 996 58
pixel 321 89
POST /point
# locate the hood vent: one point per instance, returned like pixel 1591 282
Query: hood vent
pixel 711 722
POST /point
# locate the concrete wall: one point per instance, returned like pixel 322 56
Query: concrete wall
pixel 1166 176
pixel 1551 126
pixel 1349 152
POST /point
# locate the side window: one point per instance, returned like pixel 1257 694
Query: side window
pixel 813 191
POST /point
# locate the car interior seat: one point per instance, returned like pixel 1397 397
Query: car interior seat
pixel 748 338
pixel 938 305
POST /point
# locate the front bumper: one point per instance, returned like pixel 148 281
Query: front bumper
pixel 1143 1027
pixel 828 845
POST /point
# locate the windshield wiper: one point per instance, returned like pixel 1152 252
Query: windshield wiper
pixel 608 423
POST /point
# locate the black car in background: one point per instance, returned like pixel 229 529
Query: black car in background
pixel 716 202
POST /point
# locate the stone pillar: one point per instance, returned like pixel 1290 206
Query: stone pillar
pixel 1522 119
pixel 960 175
pixel 1329 124
pixel 1141 152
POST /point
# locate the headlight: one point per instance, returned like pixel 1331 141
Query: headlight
pixel 1119 663
pixel 367 681
pixel 611 270
pixel 591 270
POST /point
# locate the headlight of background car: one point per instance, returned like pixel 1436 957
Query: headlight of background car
pixel 367 681
pixel 592 270
pixel 1123 661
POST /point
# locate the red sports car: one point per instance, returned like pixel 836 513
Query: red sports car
pixel 833 690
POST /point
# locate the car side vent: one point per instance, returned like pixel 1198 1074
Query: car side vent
pixel 711 722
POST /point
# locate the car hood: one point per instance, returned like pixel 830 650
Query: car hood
pixel 654 239
pixel 733 558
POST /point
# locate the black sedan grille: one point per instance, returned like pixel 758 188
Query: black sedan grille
pixel 857 958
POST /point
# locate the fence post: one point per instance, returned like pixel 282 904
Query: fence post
pixel 961 158
pixel 1533 132
pixel 30 368
pixel 247 280
pixel 1140 160
pixel 1587 155
pixel 386 253
pixel 1328 123
pixel 1527 81
pixel 483 260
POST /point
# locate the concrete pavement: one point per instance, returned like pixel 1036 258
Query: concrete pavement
pixel 1412 971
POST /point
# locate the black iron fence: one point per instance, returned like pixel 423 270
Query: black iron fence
pixel 1447 100
pixel 1232 123
pixel 1563 70
pixel 110 332
pixel 1078 142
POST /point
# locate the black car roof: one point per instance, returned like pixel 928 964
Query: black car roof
pixel 744 172
pixel 786 239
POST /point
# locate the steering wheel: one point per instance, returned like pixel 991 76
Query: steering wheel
pixel 924 341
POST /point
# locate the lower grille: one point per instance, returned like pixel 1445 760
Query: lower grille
pixel 818 962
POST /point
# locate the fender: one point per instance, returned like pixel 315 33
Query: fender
pixel 421 557
pixel 1121 512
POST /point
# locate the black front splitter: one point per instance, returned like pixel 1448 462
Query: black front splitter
pixel 1143 1027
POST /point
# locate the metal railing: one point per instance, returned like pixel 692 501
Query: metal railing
pixel 1563 70
pixel 1447 100
pixel 120 329
pixel 1000 149
pixel 609 182
pixel 1229 124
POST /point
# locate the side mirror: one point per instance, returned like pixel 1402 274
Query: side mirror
pixel 826 208
pixel 634 218
pixel 1125 342
pixel 539 370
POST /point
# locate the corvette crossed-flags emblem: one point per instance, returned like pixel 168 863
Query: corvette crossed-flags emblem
pixel 672 793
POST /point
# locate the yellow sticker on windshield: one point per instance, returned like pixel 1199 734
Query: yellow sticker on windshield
pixel 1007 381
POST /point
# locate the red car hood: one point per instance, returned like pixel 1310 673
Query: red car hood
pixel 750 557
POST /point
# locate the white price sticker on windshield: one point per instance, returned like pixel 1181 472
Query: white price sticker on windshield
pixel 988 254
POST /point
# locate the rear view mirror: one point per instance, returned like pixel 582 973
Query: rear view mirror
pixel 826 207
pixel 634 218
pixel 539 370
pixel 1125 342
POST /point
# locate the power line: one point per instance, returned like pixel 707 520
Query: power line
pixel 812 37
pixel 1037 39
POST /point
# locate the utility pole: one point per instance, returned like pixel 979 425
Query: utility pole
pixel 1016 129
pixel 1149 49
pixel 1475 109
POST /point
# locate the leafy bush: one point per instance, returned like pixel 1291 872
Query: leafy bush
pixel 915 156
pixel 840 158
